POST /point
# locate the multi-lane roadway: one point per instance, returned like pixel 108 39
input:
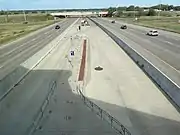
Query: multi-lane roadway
pixel 30 108
pixel 163 51
pixel 13 54
pixel 63 113
pixel 123 90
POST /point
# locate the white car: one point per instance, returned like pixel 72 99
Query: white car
pixel 153 33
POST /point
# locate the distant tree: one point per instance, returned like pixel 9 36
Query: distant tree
pixel 16 13
pixel 2 12
pixel 43 11
pixel 151 12
pixel 177 8
pixel 118 13
pixel 34 12
pixel 137 8
pixel 156 7
pixel 164 7
pixel 140 12
pixel 160 7
pixel 130 8
pixel 121 8
pixel 170 7
pixel 111 10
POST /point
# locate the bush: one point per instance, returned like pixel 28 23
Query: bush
pixel 151 12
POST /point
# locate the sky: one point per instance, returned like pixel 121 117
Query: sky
pixel 61 4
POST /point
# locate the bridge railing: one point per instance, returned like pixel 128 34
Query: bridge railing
pixel 115 124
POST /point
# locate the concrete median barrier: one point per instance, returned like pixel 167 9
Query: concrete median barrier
pixel 14 78
pixel 170 88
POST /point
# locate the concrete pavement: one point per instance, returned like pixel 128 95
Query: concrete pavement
pixel 65 113
pixel 124 91
pixel 13 54
pixel 163 51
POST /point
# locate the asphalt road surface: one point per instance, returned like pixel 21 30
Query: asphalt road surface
pixel 64 113
pixel 124 91
pixel 163 51
pixel 13 54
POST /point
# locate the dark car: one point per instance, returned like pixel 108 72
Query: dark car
pixel 57 27
pixel 113 21
pixel 123 27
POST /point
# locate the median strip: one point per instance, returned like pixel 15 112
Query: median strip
pixel 169 87
pixel 83 62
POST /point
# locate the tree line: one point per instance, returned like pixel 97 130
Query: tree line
pixel 3 12
pixel 141 11
pixel 111 10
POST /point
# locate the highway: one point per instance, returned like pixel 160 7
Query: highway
pixel 125 92
pixel 13 54
pixel 163 51
pixel 64 113
pixel 47 102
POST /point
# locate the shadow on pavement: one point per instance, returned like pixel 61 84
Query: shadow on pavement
pixel 141 123
pixel 22 106
pixel 46 104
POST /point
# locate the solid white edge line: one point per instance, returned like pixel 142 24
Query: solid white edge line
pixel 39 61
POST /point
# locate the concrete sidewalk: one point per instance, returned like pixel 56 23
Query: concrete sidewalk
pixel 124 91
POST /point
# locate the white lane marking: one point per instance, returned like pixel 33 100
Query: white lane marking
pixel 162 60
pixel 49 36
pixel 11 51
pixel 23 52
pixel 5 54
pixel 62 36
pixel 65 32
pixel 160 40
pixel 159 57
pixel 168 42
pixel 32 33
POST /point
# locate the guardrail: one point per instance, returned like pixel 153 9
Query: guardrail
pixel 115 124
pixel 40 113
pixel 171 89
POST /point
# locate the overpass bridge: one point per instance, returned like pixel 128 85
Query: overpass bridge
pixel 66 14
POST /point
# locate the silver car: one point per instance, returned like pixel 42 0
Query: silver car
pixel 153 33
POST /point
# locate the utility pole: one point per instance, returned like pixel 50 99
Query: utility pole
pixel 7 18
pixel 25 18
pixel 134 11
pixel 160 5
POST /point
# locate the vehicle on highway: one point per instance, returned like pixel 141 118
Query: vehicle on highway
pixel 153 33
pixel 112 21
pixel 57 27
pixel 82 22
pixel 123 27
